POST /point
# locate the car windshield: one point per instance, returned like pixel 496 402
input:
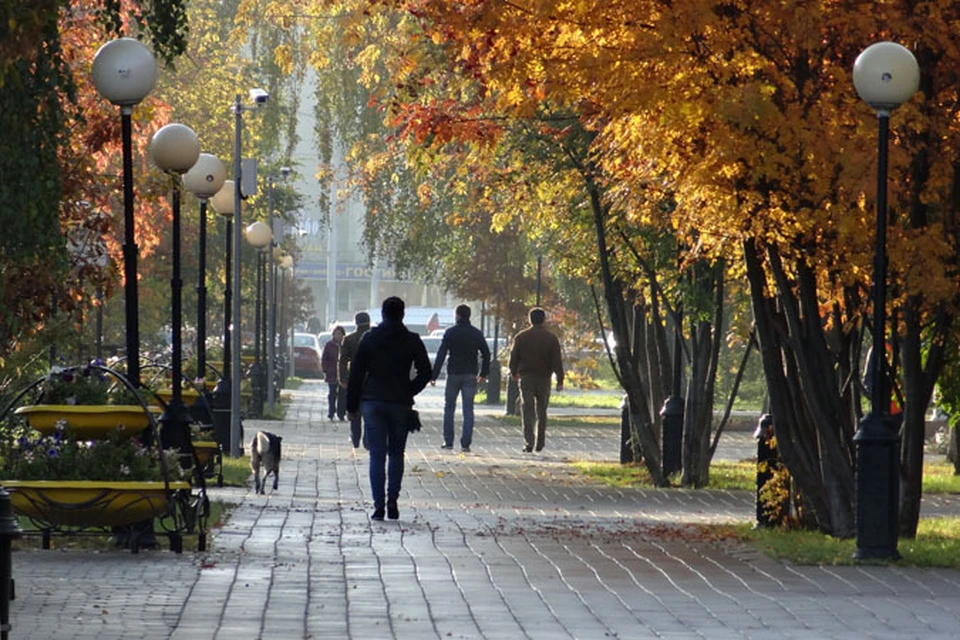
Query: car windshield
pixel 432 343
pixel 304 340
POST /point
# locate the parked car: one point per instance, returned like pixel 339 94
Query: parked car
pixel 306 355
pixel 432 343
pixel 323 338
pixel 349 326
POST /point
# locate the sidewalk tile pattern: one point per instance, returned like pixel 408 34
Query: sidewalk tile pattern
pixel 493 544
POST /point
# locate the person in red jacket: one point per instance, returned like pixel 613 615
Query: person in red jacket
pixel 329 363
pixel 535 357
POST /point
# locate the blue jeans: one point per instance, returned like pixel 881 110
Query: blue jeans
pixel 464 385
pixel 386 433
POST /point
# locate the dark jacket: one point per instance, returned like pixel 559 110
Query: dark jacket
pixel 536 352
pixel 348 348
pixel 380 369
pixel 463 341
pixel 328 361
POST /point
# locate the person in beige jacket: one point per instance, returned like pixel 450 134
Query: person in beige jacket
pixel 535 357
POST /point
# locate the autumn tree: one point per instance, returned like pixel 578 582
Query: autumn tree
pixel 52 187
pixel 742 115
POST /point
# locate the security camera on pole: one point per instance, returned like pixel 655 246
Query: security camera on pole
pixel 259 97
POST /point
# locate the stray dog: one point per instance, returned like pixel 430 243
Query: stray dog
pixel 265 454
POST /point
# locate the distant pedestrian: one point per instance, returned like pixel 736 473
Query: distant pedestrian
pixel 380 387
pixel 463 342
pixel 330 363
pixel 535 357
pixel 347 350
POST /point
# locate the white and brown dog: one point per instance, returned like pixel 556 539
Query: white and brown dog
pixel 265 454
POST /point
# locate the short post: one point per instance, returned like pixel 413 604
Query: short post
pixel 626 446
pixel 9 531
pixel 493 383
pixel 513 397
pixel 672 416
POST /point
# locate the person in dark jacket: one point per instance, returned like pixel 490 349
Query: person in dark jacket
pixel 380 387
pixel 347 350
pixel 463 342
pixel 535 357
pixel 329 363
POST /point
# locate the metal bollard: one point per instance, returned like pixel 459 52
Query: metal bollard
pixel 626 449
pixel 9 531
pixel 513 397
pixel 493 383
pixel 672 416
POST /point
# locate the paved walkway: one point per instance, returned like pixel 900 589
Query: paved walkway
pixel 493 544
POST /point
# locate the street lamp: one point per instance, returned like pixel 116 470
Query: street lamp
pixel 223 203
pixel 175 149
pixel 885 75
pixel 259 236
pixel 204 180
pixel 272 293
pixel 124 72
pixel 259 98
pixel 286 344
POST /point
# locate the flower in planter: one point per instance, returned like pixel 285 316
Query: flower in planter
pixel 85 386
pixel 62 456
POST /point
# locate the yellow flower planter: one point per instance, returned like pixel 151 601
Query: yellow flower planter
pixel 189 395
pixel 206 451
pixel 90 503
pixel 210 459
pixel 89 422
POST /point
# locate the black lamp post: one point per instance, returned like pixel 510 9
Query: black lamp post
pixel 175 149
pixel 223 203
pixel 124 72
pixel 203 180
pixel 286 266
pixel 260 237
pixel 885 75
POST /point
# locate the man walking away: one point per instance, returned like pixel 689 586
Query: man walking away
pixel 380 387
pixel 347 352
pixel 534 357
pixel 463 342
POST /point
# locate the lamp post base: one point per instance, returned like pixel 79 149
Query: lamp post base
pixel 878 488
pixel 221 413
pixel 256 378
pixel 175 427
pixel 672 415
pixel 493 383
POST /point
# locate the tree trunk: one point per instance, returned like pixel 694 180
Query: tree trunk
pixel 805 396
pixel 705 340
pixel 918 384
pixel 629 376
